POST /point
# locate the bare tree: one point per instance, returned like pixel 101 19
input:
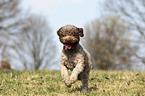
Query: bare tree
pixel 25 40
pixel 108 42
pixel 9 12
pixel 133 12
pixel 35 47
pixel 9 22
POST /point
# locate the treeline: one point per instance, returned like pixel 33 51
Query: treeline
pixel 115 39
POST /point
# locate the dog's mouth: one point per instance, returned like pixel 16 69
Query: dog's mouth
pixel 67 46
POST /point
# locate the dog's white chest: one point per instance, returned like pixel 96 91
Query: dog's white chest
pixel 71 60
pixel 70 63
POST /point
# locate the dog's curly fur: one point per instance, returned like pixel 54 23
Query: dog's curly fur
pixel 74 57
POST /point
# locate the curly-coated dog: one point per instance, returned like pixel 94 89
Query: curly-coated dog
pixel 74 57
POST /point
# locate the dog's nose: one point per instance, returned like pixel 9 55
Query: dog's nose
pixel 69 39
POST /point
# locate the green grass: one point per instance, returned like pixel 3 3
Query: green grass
pixel 44 82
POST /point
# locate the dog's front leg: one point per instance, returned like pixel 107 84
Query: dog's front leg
pixel 76 71
pixel 64 74
pixel 64 70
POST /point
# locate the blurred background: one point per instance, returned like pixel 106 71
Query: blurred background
pixel 114 32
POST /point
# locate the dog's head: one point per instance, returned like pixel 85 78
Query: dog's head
pixel 69 35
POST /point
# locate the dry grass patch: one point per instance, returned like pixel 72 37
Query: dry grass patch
pixel 44 82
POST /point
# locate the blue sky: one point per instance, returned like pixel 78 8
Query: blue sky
pixel 63 12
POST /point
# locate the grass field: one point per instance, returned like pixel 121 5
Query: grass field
pixel 44 82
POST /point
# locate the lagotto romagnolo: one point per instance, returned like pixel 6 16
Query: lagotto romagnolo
pixel 74 57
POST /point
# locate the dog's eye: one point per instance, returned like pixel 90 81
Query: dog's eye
pixel 75 35
pixel 62 35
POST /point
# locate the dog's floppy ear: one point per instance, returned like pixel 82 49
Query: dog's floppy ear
pixel 58 31
pixel 81 32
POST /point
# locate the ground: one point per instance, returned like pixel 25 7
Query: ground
pixel 44 82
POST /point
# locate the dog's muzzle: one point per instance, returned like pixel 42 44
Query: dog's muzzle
pixel 69 40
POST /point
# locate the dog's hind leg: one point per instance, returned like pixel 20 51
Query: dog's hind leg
pixel 84 79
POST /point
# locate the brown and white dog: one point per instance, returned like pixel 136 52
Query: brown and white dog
pixel 74 57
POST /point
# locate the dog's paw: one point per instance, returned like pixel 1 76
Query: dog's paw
pixel 68 84
pixel 84 89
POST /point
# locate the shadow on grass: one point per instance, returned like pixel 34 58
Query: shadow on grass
pixel 78 89
pixel 92 88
